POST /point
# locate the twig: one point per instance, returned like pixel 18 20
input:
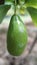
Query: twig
pixel 33 44
pixel 35 40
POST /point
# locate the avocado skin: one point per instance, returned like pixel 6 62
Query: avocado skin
pixel 16 37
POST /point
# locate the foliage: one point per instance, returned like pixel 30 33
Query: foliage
pixel 3 11
pixel 30 5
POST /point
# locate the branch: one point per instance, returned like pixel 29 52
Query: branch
pixel 33 44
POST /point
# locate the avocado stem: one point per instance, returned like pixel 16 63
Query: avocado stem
pixel 15 8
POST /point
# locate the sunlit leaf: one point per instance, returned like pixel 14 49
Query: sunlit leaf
pixel 33 13
pixel 3 11
pixel 17 1
pixel 9 1
pixel 32 3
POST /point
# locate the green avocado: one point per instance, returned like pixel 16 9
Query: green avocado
pixel 16 37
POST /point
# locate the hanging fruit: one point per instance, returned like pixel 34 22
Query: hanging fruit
pixel 17 36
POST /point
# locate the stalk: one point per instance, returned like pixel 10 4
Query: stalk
pixel 15 8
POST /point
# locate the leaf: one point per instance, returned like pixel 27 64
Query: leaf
pixel 33 13
pixel 32 3
pixel 17 1
pixel 3 11
pixel 9 1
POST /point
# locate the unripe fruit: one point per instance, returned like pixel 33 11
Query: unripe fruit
pixel 16 37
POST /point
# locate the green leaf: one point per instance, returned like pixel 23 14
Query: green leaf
pixel 33 13
pixel 17 1
pixel 9 1
pixel 3 11
pixel 32 3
